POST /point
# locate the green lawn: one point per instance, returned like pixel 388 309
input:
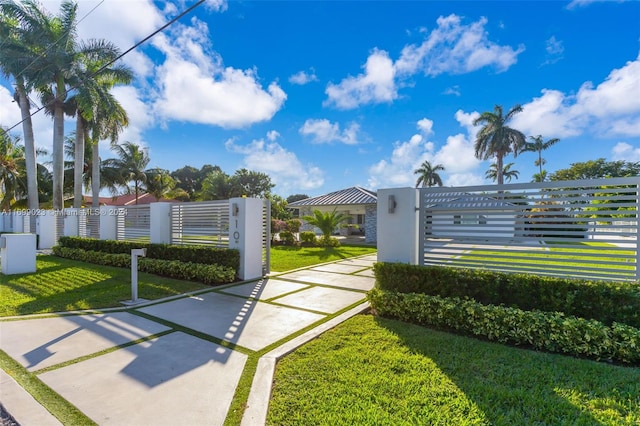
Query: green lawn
pixel 377 371
pixel 64 285
pixel 284 258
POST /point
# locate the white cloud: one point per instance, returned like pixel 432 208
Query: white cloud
pixel 283 166
pixel 580 3
pixel 456 48
pixel 375 85
pixel 425 126
pixel 324 131
pixel 452 47
pixel 555 50
pixel 626 152
pixel 456 155
pixel 302 77
pixel 194 85
pixel 453 90
pixel 139 114
pixel 272 135
pixel 612 108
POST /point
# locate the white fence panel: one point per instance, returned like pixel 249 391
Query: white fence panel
pixel 134 223
pixel 205 222
pixel 582 229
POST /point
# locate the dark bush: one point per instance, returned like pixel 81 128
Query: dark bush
pixel 204 273
pixel 287 238
pixel 607 302
pixel 549 331
pixel 308 238
pixel 194 254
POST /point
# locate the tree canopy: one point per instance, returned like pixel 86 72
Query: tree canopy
pixel 597 169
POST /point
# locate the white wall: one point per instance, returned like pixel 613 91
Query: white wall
pixel 397 231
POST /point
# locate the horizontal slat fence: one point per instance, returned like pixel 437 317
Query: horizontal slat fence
pixel 134 223
pixel 205 222
pixel 582 229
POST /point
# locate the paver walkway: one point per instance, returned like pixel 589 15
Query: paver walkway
pixel 176 362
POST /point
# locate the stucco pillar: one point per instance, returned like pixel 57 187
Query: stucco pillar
pixel 397 229
pixel 245 234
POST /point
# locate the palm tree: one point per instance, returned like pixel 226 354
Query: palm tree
pixel 507 173
pixel 159 182
pixel 94 82
pixel 12 165
pixel 110 177
pixel 132 161
pixel 326 222
pixel 428 174
pixel 15 57
pixel 540 177
pixel 538 145
pixel 496 138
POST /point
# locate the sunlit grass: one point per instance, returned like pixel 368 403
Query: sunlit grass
pixel 378 371
pixel 284 258
pixel 63 285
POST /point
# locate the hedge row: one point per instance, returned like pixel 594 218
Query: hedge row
pixel 548 331
pixel 194 254
pixel 607 302
pixel 207 274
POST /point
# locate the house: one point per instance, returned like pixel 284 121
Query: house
pixel 358 203
pixel 458 214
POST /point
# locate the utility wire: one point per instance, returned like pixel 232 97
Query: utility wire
pixel 135 46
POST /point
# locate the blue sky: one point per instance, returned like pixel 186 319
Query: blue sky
pixel 323 95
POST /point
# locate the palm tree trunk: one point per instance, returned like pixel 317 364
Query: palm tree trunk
pixel 78 163
pixel 29 147
pixel 95 175
pixel 499 162
pixel 58 147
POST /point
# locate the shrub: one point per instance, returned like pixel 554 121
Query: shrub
pixel 308 238
pixel 293 225
pixel 277 225
pixel 329 242
pixel 204 273
pixel 607 302
pixel 549 331
pixel 194 254
pixel 287 238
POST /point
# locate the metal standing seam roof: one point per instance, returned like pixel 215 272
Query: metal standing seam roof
pixel 349 196
pixel 461 200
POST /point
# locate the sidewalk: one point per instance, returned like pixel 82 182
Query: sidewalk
pixel 179 361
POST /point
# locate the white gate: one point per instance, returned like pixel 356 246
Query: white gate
pixel 205 222
pixel 586 229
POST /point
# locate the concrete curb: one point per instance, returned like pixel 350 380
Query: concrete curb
pixel 23 407
pixel 260 393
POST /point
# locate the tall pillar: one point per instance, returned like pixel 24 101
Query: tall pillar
pixel 160 223
pixel 245 234
pixel 71 222
pixel 398 225
pixel 46 229
pixel 109 222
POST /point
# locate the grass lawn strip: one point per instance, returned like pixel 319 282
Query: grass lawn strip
pixel 284 258
pixel 66 285
pixel 377 371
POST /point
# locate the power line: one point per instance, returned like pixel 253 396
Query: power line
pixel 135 46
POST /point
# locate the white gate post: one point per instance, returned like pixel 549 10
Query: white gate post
pixel 46 229
pixel 108 222
pixel 71 222
pixel 18 222
pixel 160 217
pixel 398 225
pixel 245 234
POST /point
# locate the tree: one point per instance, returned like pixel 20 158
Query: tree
pixel 216 186
pixel 326 222
pixel 597 169
pixel 507 173
pixel 428 174
pixel 279 208
pixel 92 99
pixel 131 162
pixel 159 182
pixel 496 139
pixel 251 184
pixel 12 182
pixel 190 179
pixel 538 145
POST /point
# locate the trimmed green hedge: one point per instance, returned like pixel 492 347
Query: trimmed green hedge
pixel 193 254
pixel 607 302
pixel 207 274
pixel 549 331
